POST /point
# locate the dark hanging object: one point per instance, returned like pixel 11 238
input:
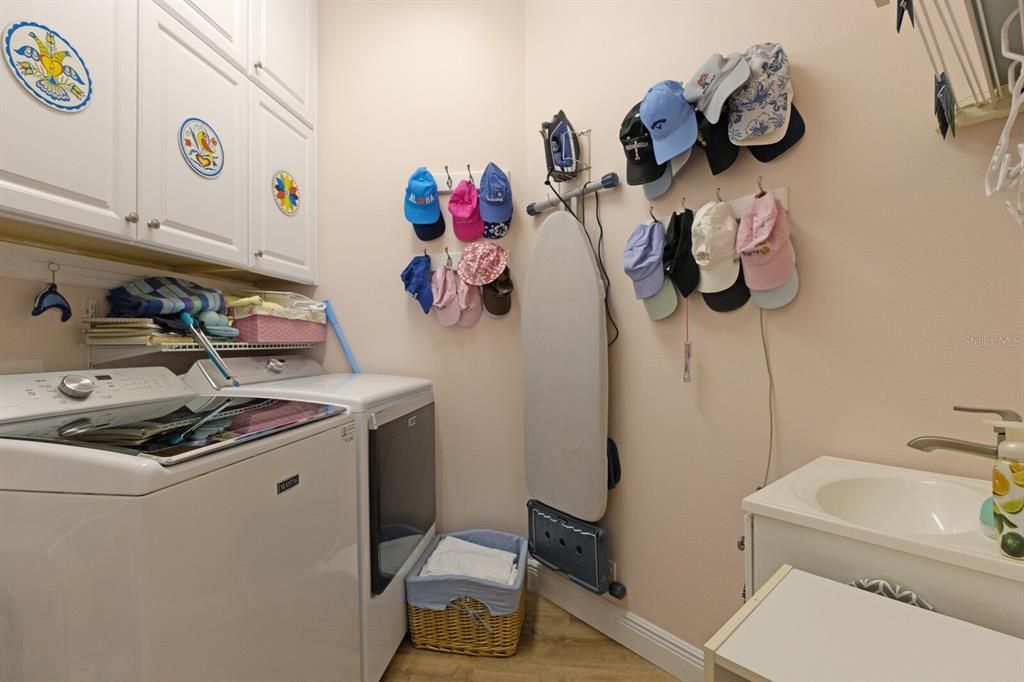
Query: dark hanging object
pixel 904 6
pixel 945 105
pixel 51 298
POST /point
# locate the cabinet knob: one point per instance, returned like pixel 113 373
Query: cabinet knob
pixel 132 217
pixel 259 254
pixel 258 64
pixel 153 224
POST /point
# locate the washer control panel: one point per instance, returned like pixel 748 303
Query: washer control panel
pixel 24 396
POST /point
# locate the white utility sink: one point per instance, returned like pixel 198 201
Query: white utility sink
pixel 846 519
pixel 925 506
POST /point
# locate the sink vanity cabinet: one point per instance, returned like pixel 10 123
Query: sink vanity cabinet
pixel 844 519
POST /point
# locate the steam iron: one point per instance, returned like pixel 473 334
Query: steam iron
pixel 561 148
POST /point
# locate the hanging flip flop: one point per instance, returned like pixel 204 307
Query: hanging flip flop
pixel 904 6
pixel 51 298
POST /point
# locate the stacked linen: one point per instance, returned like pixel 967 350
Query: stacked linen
pixel 454 556
pixel 127 331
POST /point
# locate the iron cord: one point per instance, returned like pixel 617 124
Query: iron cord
pixel 771 401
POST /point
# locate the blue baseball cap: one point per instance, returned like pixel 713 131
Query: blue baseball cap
pixel 495 195
pixel 422 207
pixel 642 256
pixel 416 278
pixel 670 119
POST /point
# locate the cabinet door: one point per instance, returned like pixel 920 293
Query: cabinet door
pixel 281 170
pixel 221 23
pixel 193 143
pixel 282 55
pixel 61 162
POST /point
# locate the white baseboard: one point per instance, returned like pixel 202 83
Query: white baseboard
pixel 670 653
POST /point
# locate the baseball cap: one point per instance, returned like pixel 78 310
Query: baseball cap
pixel 495 195
pixel 713 138
pixel 763 244
pixel 714 247
pixel 416 278
pixel 641 258
pixel 664 302
pixel 677 259
pixel 641 168
pixel 714 81
pixel 422 207
pixel 759 111
pixel 794 131
pixel 470 305
pixel 498 295
pixel 653 190
pixel 670 119
pixel 779 296
pixel 729 299
pixel 443 288
pixel 464 205
pixel 482 263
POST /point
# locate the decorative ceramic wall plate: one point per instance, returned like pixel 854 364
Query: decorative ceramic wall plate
pixel 286 192
pixel 47 65
pixel 201 146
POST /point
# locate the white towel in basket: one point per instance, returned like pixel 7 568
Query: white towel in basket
pixel 458 557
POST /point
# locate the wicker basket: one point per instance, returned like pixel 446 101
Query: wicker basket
pixel 467 627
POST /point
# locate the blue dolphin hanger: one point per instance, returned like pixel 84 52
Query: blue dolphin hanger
pixel 51 298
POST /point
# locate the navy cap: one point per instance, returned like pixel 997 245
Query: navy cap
pixel 730 299
pixel 713 138
pixel 416 278
pixel 495 195
pixel 767 152
pixel 680 265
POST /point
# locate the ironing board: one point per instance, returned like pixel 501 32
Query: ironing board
pixel 565 372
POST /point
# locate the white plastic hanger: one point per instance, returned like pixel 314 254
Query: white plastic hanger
pixel 1001 176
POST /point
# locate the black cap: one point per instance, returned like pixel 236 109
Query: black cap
pixel 732 298
pixel 426 232
pixel 641 167
pixel 766 152
pixel 678 260
pixel 713 138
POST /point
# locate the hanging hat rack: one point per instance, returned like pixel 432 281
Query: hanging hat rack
pixel 447 181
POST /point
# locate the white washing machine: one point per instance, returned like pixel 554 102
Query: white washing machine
pixel 146 534
pixel 397 500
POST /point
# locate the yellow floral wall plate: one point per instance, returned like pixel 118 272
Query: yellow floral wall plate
pixel 286 192
pixel 47 66
pixel 201 146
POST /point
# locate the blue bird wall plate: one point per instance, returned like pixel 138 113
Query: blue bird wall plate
pixel 47 66
pixel 51 298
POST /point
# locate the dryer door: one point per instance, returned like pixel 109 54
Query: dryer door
pixel 402 485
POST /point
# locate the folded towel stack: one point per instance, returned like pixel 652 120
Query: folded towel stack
pixel 453 556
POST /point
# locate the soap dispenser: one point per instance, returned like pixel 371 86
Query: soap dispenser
pixel 1008 491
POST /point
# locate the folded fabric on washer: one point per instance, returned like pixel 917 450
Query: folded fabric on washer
pixel 453 556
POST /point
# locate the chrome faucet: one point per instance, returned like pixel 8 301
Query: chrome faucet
pixel 930 443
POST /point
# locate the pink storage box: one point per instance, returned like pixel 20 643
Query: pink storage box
pixel 270 329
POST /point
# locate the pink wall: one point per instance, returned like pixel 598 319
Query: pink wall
pixel 901 258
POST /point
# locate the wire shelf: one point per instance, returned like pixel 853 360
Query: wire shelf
pixel 102 354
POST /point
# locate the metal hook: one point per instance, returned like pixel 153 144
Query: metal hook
pixel 470 171
pixel 760 187
pixel 54 267
pixel 718 193
pixel 653 219
pixel 449 256
pixel 449 181
pixel 425 253
pixel 682 203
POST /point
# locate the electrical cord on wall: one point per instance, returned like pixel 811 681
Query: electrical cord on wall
pixel 771 402
pixel 598 252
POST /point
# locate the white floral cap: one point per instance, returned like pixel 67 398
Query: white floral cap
pixel 759 111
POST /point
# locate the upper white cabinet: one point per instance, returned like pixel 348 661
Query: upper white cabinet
pixel 68 113
pixel 193 143
pixel 282 52
pixel 221 23
pixel 282 203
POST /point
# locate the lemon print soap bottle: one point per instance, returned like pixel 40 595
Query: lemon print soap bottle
pixel 1008 492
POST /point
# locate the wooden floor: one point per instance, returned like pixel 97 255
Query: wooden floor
pixel 554 647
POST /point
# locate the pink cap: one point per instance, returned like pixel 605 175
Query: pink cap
pixel 482 262
pixel 443 286
pixel 470 303
pixel 464 205
pixel 763 244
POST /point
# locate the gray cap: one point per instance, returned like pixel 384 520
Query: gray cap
pixel 718 78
